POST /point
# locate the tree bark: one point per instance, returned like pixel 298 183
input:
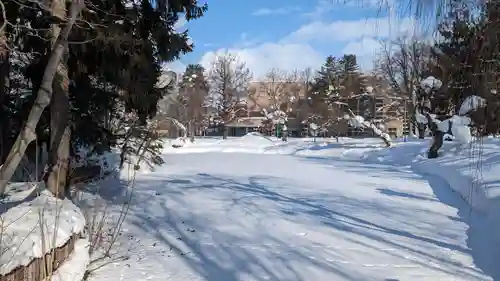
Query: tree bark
pixel 437 139
pixel 421 130
pixel 225 132
pixel 4 85
pixel 60 132
pixel 60 136
pixel 44 95
pixel 192 129
pixel 284 135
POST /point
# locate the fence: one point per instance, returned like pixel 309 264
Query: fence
pixel 38 269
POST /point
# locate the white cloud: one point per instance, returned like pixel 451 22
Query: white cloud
pixel 296 51
pixel 276 11
pixel 176 66
pixel 261 58
pixel 351 30
pixel 323 7
pixel 365 50
pixel 246 41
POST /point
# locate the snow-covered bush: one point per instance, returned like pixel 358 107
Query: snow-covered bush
pixel 276 116
pixel 139 143
pixel 458 125
pixel 313 130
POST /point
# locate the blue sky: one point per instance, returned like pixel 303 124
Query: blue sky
pixel 290 34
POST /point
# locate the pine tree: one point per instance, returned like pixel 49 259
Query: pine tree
pixel 194 92
pixel 323 89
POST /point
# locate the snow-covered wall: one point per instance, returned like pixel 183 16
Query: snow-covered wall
pixel 32 225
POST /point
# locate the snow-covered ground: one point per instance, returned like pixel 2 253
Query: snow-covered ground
pixel 255 208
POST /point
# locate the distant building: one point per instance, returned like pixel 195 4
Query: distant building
pixel 260 99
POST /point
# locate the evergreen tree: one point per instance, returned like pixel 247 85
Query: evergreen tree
pixel 351 80
pixel 193 92
pixel 323 89
pixel 468 62
pixel 114 61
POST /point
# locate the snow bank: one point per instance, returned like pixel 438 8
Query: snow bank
pixel 250 143
pixel 74 267
pixel 255 138
pixel 26 221
pixel 256 143
pixel 472 170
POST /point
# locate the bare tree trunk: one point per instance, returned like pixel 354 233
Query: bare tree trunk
pixel 225 132
pixel 60 136
pixel 192 129
pixel 437 139
pixel 4 84
pixel 421 130
pixel 44 95
pixel 284 135
pixel 60 133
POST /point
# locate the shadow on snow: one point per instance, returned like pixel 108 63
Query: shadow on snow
pixel 224 260
pixel 482 232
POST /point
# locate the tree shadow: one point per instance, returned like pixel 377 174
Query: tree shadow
pixel 483 230
pixel 229 255
pixel 391 192
pixel 112 188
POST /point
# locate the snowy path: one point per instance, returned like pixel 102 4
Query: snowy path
pixel 235 216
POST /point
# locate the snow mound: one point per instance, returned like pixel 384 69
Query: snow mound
pixel 24 225
pixel 179 142
pixel 256 138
